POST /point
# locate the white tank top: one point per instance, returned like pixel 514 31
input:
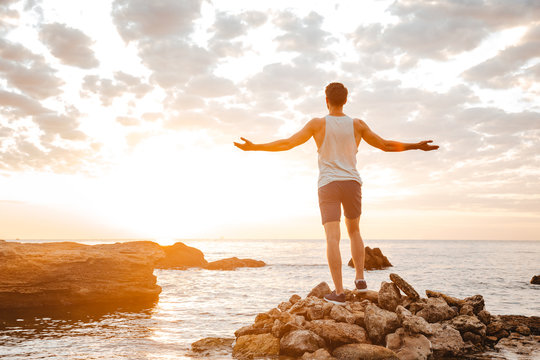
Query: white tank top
pixel 337 154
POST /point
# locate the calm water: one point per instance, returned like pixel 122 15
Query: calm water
pixel 199 303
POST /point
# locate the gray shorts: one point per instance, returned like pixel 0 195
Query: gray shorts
pixel 336 193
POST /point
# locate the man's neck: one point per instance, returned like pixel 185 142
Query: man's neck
pixel 335 111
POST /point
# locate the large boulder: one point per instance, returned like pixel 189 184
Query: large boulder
pixel 379 323
pixel 409 346
pixel 337 333
pixel 250 346
pixel 181 256
pixel 233 263
pixel 320 290
pixel 363 352
pixel 68 273
pixel 535 280
pixel 389 297
pixel 445 341
pixel 373 259
pixel 413 323
pixel 435 310
pixel 297 342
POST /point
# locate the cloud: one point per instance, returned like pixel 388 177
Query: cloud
pixel 71 46
pixel 27 72
pixel 109 89
pixel 510 66
pixel 209 86
pixel 16 105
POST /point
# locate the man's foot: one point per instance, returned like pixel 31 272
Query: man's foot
pixel 335 298
pixel 361 285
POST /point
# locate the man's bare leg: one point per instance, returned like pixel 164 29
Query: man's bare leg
pixel 333 254
pixel 357 246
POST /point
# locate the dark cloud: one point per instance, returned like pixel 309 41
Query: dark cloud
pixel 71 46
pixel 27 72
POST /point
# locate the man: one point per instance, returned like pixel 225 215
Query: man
pixel 337 137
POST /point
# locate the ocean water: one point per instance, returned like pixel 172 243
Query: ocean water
pixel 197 303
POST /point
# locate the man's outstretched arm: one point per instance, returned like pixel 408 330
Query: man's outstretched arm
pixel 280 145
pixel 390 145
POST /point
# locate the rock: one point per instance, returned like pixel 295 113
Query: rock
pixel 416 306
pixel 373 259
pixel 472 337
pixel 379 323
pixel 211 345
pixel 535 280
pixel 389 297
pixel 252 330
pixel 477 303
pixel 436 309
pixel 519 347
pixel 294 299
pixel 250 346
pixel 484 316
pixel 452 301
pixel 321 354
pixel 315 312
pixel 409 346
pixel 466 309
pixel 464 323
pixel 327 308
pixel 284 306
pixel 180 255
pixel 412 323
pixel 70 274
pixel 336 333
pixel 320 290
pixel 370 295
pixel 523 330
pixel 363 352
pixel 297 342
pixel 511 322
pixel 445 341
pixel 340 314
pixel 233 263
pixel 404 286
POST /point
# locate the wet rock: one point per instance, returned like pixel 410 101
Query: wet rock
pixel 436 309
pixel 336 333
pixel 373 259
pixel 379 323
pixel 363 352
pixel 69 274
pixel 389 297
pixel 404 286
pixel 520 347
pixel 452 301
pixel 464 323
pixel 250 346
pixel 523 330
pixel 340 314
pixel 321 354
pixel 535 280
pixel 484 316
pixel 320 290
pixel 233 263
pixel 297 342
pixel 211 345
pixel 477 303
pixel 408 346
pixel 179 255
pixel 412 323
pixel 445 341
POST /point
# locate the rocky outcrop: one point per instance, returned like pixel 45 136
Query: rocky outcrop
pixel 233 263
pixel 416 328
pixel 181 256
pixel 373 260
pixel 535 280
pixel 250 346
pixel 68 273
pixel 212 346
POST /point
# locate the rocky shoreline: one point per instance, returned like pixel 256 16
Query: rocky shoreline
pixel 60 274
pixel 393 323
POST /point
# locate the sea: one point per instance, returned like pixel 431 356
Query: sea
pixel 198 303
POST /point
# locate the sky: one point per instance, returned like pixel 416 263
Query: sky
pixel 117 118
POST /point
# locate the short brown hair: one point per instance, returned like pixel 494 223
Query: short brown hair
pixel 336 93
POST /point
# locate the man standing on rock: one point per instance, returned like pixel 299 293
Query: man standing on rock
pixel 337 137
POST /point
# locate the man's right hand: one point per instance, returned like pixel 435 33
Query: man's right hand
pixel 425 145
pixel 246 146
